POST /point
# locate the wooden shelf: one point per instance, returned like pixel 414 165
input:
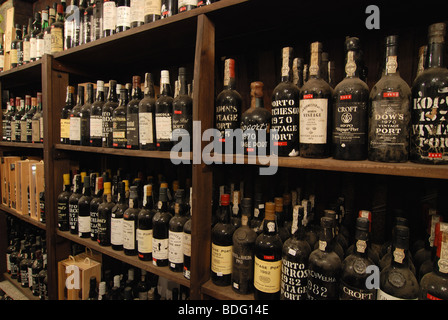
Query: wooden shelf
pixel 23 217
pixel 26 145
pixel 25 75
pixel 25 291
pixel 223 293
pixel 164 272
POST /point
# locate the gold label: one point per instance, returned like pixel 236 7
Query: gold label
pixel 13 56
pixel 361 246
pixel 391 64
pixel 350 66
pixel 57 40
pixel 399 255
pixel 267 275
pixel 221 259
pixel 65 128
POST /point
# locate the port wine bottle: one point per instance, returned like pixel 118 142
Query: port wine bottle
pixel 164 114
pixel 63 205
pixel 85 116
pixel 132 115
pixel 65 115
pixel 175 233
pixel 84 210
pixel 182 112
pixel 146 116
pixel 73 203
pixel 104 216
pixel 75 118
pixel 107 114
pixel 144 230
pixel 119 121
pixel 130 221
pixel 160 225
pixel 116 221
pixel 96 118
pixel 97 199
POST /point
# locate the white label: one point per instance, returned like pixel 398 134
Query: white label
pixel 33 48
pixel 47 43
pixel 186 244
pixel 68 28
pixel 159 249
pixel 381 295
pixel 123 16
pixel 40 48
pixel 153 7
pixel 184 3
pixel 83 224
pixel 96 126
pixel 313 121
pixel 109 14
pixel 163 127
pixel 137 10
pixel 145 127
pixel 144 241
pixel 116 231
pixel 175 254
pixel 26 51
pixel 75 128
pixel 129 234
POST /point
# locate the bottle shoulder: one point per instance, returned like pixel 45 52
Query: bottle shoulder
pixel 351 85
pixel 318 86
pixel 229 96
pixel 390 83
pixel 437 77
pixel 285 89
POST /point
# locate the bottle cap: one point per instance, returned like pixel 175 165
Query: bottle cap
pixel 278 204
pixel 352 44
pixel 70 89
pixel 66 178
pixel 436 33
pixel 392 40
pixel 256 89
pixel 246 202
pixel 270 211
pixel 362 224
pixel 107 188
pixel 225 199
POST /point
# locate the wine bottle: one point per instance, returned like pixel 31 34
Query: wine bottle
pixel 144 231
pixel 40 42
pixel 57 31
pixel 96 119
pixel 243 252
pixel 235 208
pixel 164 114
pixel 84 210
pixel 389 114
pixel 63 198
pixel 27 120
pixel 73 203
pixel 109 17
pixel 7 120
pixel 295 255
pixel 175 234
pixel 354 275
pixel 256 123
pixel 75 118
pixel 168 8
pixel 350 102
pixel 186 5
pixel 182 112
pixel 152 10
pixel 297 72
pixel 77 25
pixel 186 241
pixel 107 113
pixel 160 225
pixel 268 258
pixel 65 115
pixel 324 266
pixel 315 107
pixel 37 135
pixel 14 52
pixel 97 199
pixel 116 222
pixel 285 110
pixel 256 223
pixel 228 107
pixel 88 23
pixel 428 121
pixel 130 220
pixel 146 116
pixel 17 119
pixel 85 115
pixel 123 16
pixel 137 13
pixel 26 42
pixel 397 281
pixel 20 46
pixel 119 121
pixel 283 232
pixel 132 115
pixel 104 216
pixel 22 121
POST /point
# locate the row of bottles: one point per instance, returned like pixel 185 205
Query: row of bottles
pixel 129 118
pixel 22 120
pixel 62 27
pixel 26 256
pixel 278 249
pixel 392 122
pixel 142 218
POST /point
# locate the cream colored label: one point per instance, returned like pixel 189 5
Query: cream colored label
pixel 399 255
pixel 313 121
pixel 57 40
pixel 350 66
pixel 391 64
pixel 26 51
pixel 361 246
pixel 186 244
pixel 381 295
pixel 175 254
pixel 13 56
pixel 144 241
pixel 153 7
pixel 65 128
pixel 267 275
pixel 221 259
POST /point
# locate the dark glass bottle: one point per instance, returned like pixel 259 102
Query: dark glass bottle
pixel 27 120
pixel 26 42
pixel 116 222
pixel 186 242
pixel 20 46
pixel 104 216
pixel 183 112
pixel 256 223
pixel 283 232
pixel 389 111
pixel 137 13
pixel 297 72
pixel 152 11
pixel 84 210
pixel 243 252
pixel 268 258
pixel 34 33
pixel 37 122
pixel 14 52
pixel 146 116
pixel 256 123
pixel 119 121
pixel 85 116
pixel 63 206
pixel 132 115
pixel 88 23
pixel 354 275
pixel 176 231
pixel 123 18
pixel 236 209
pixel 7 120
pixel 168 8
pixel 20 103
pixel 164 114
pixel 40 41
pixel 57 31
pixel 47 30
pixel 425 255
pixel 75 118
pixel 186 5
pixel 222 240
pixel 97 199
pixel 144 231
pixel 65 115
pixel 36 268
pixel 107 113
pixel 73 203
pixel 77 26
pixel 350 101
pixel 429 137
pixel 285 110
pixel 228 108
pixel 397 281
pixel 295 255
pixel 315 110
pixel 130 223
pixel 325 266
pixel 109 17
pixel 96 119
pixel 93 294
pixel 160 225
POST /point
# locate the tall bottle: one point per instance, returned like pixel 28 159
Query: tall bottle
pixel 63 206
pixel 107 113
pixel 164 114
pixel 268 258
pixel 65 115
pixel 350 103
pixel 97 199
pixel 116 222
pixel 34 33
pixel 132 115
pixel 96 118
pixel 88 23
pixel 160 225
pixel 295 255
pixel 144 231
pixel 137 13
pixel 97 20
pixel 243 252
pixel 14 52
pixel 27 119
pixel 186 241
pixel 325 266
pixel 146 116
pixel 183 112
pixel 176 232
pixel 152 10
pixel 228 106
pixel 104 216
pixel 7 120
pixel 40 41
pixel 130 222
pixel 109 17
pixel 123 16
pixel 168 8
pixel 315 110
pixel 428 116
pixel 389 111
pixel 397 281
pixel 73 203
pixel 84 210
pixel 75 118
pixel 37 129
pixel 119 121
pixel 57 31
pixel 256 123
pixel 222 240
pixel 285 109
pixel 85 116
pixel 17 119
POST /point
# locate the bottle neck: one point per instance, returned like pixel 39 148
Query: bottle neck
pixel 90 95
pixel 286 65
pixel 100 94
pixel 269 224
pixel 352 68
pixel 435 54
pixel 315 64
pixel 391 61
pixel 166 89
pixel 326 239
pixel 112 94
pixel 183 88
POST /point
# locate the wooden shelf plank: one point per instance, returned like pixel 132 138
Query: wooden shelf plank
pixel 21 145
pixel 223 293
pixel 23 217
pixel 164 272
pixel 25 291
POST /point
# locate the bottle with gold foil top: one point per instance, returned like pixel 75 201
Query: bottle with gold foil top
pixel 297 72
pixel 350 102
pixel 314 110
pixel 268 258
pixel 429 134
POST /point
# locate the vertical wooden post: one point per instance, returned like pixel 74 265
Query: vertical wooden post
pixel 203 102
